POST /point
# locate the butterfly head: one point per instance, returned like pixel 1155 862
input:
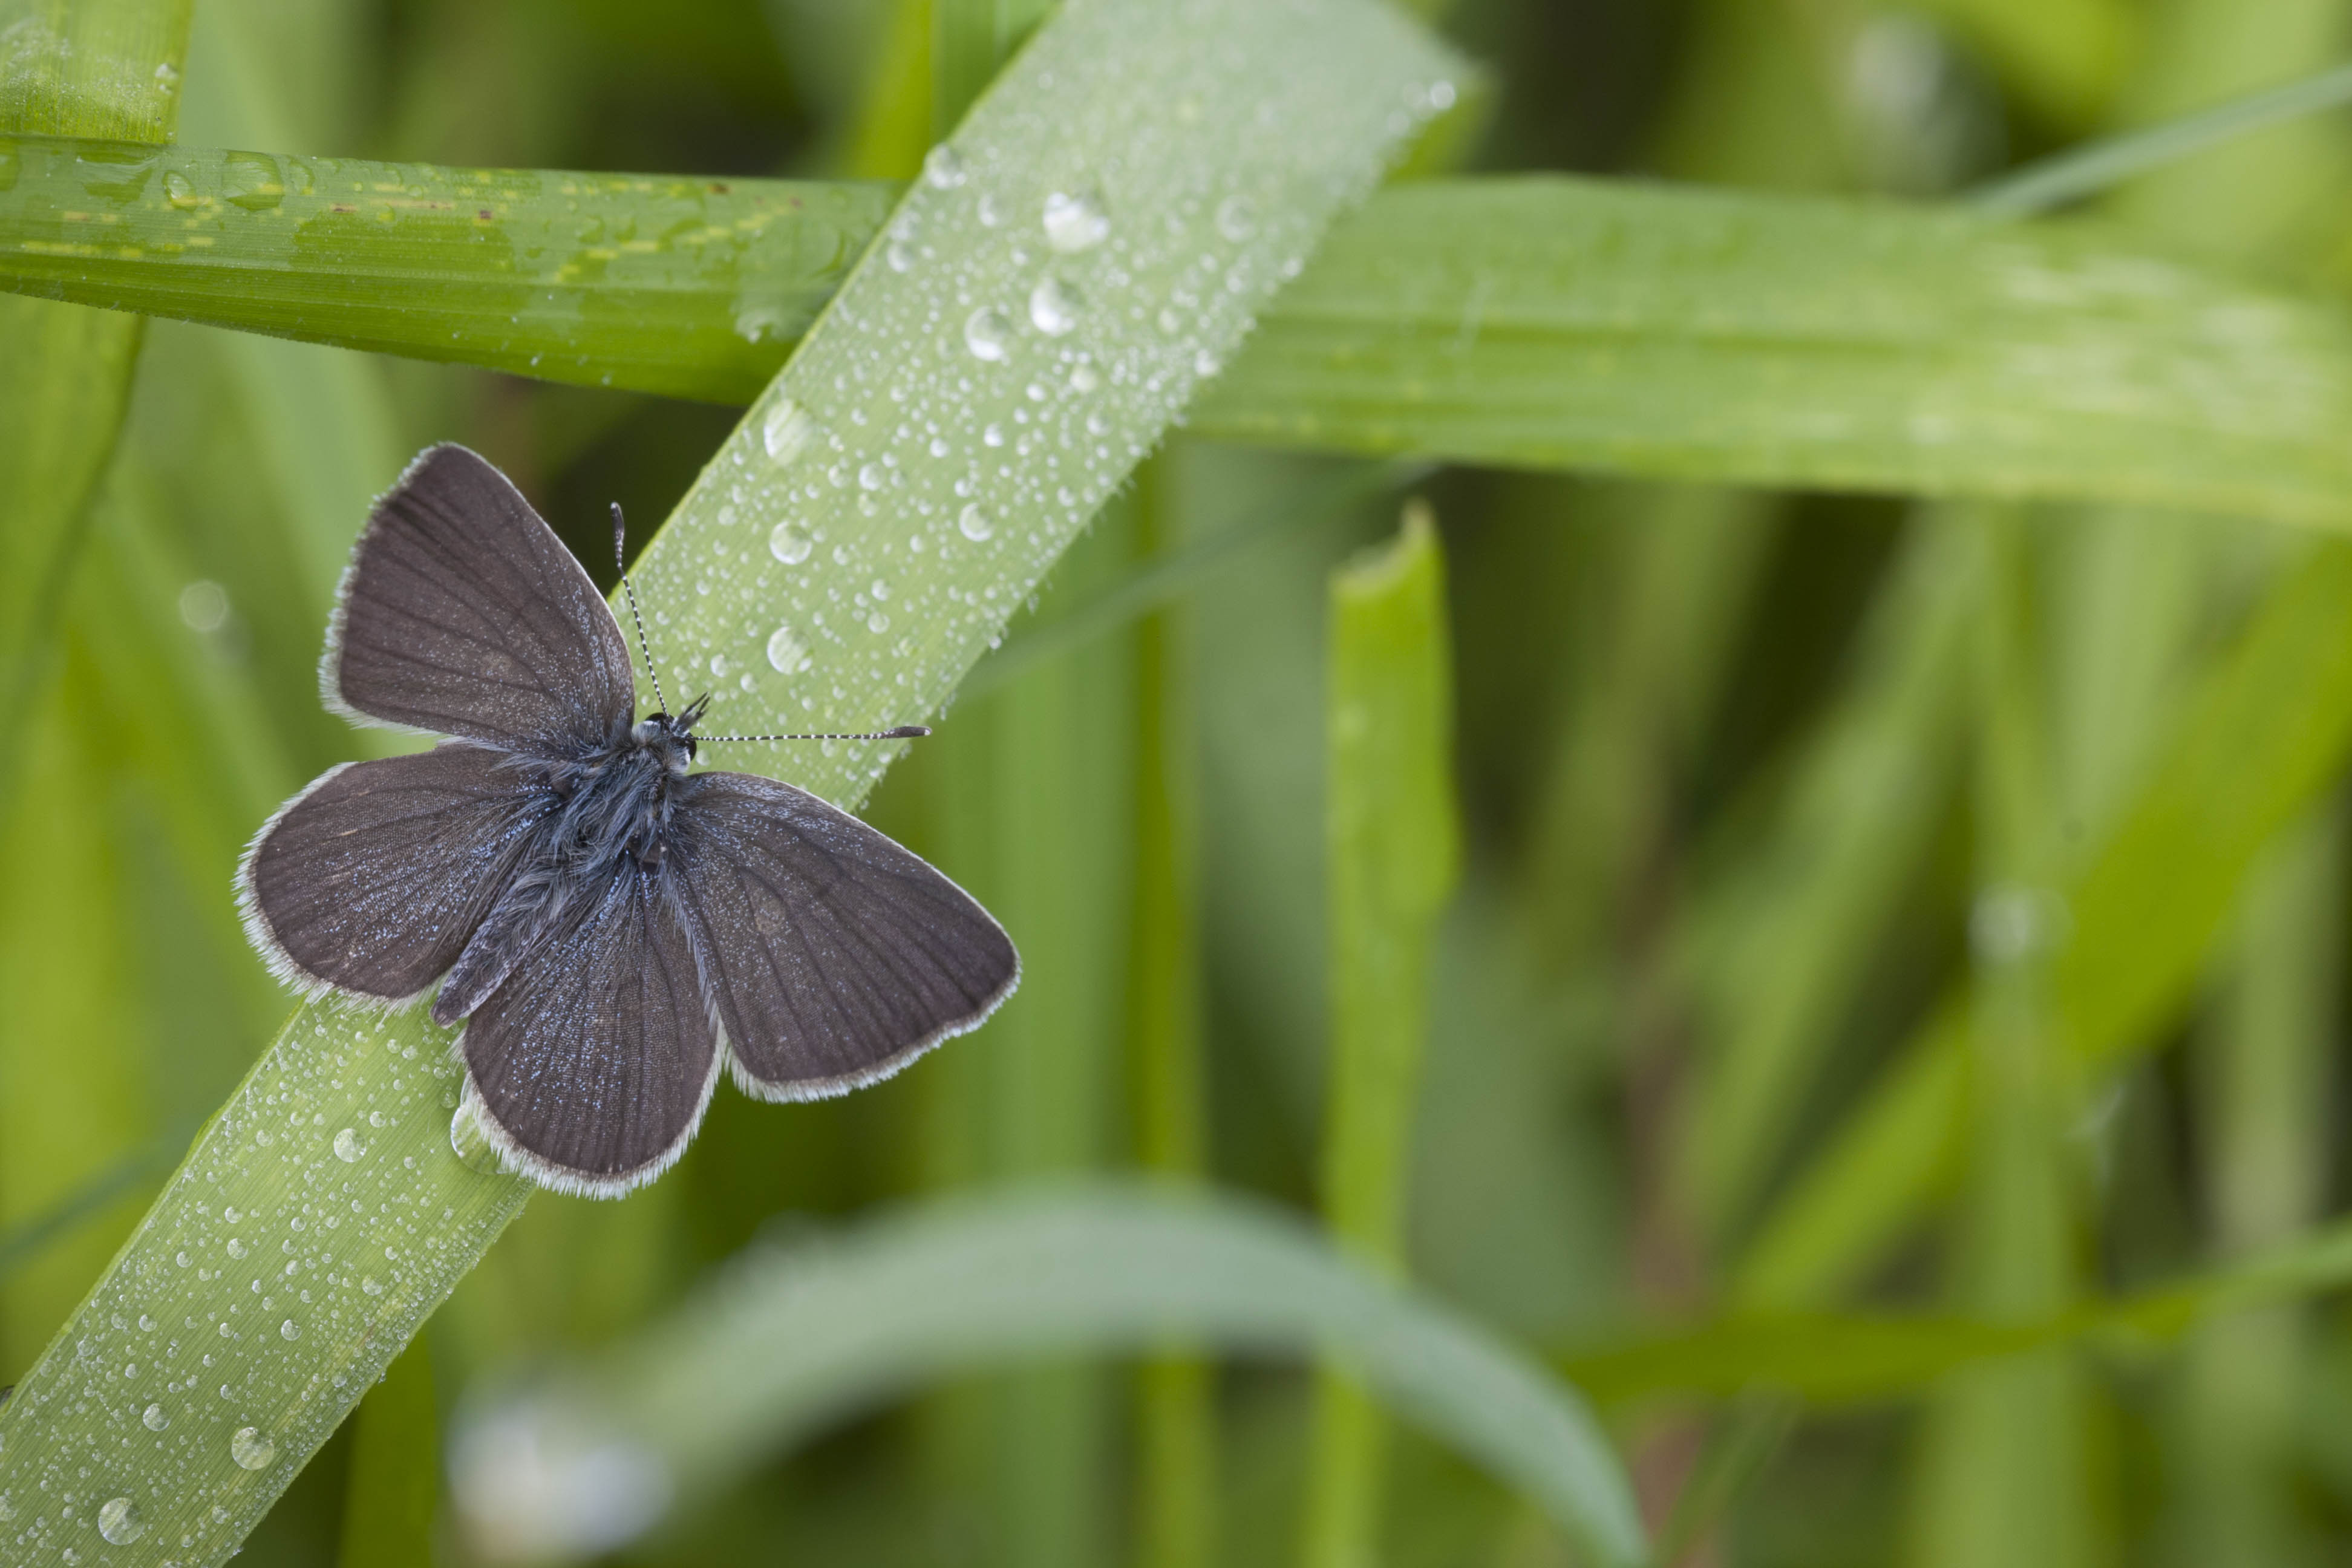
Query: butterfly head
pixel 671 737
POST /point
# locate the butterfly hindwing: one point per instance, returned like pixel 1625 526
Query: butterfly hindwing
pixel 462 613
pixel 593 1062
pixel 371 879
pixel 831 955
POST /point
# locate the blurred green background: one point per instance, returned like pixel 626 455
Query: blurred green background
pixel 1751 784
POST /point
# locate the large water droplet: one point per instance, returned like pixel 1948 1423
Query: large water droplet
pixel 249 1448
pixel 250 180
pixel 974 525
pixel 470 1144
pixel 236 1247
pixel 943 168
pixel 119 1520
pixel 180 191
pixel 788 544
pixel 155 1417
pixel 370 1286
pixel 348 1148
pixel 203 605
pixel 1075 223
pixel 1236 218
pixel 787 429
pixel 1053 305
pixel 871 476
pixel 985 331
pixel 289 1330
pixel 786 652
pixel 877 622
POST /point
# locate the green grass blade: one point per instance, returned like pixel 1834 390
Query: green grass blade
pixel 685 286
pixel 800 1338
pixel 1835 1359
pixel 906 393
pixel 1175 1427
pixel 1393 856
pixel 394 1491
pixel 2086 171
pixel 1547 322
pixel 1537 321
pixel 104 69
pixel 2268 732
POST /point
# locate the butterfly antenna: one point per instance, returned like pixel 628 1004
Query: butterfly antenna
pixel 621 560
pixel 903 733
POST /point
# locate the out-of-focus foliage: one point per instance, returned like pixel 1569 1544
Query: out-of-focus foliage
pixel 1885 1042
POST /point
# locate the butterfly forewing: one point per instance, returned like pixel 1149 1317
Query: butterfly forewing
pixel 594 1059
pixel 831 955
pixel 463 615
pixel 371 879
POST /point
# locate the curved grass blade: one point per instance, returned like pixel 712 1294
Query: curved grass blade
pixel 672 284
pixel 783 579
pixel 1540 321
pixel 1545 322
pixel 1834 1359
pixel 798 1339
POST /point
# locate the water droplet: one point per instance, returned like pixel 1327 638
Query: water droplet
pixel 984 331
pixel 759 324
pixel 900 259
pixel 1236 218
pixel 993 435
pixel 990 213
pixel 249 1448
pixel 943 168
pixel 1204 363
pixel 119 1520
pixel 1441 96
pixel 236 1247
pixel 370 1286
pixel 348 1148
pixel 146 1325
pixel 1170 322
pixel 787 429
pixel 470 1144
pixel 877 622
pixel 974 525
pixel 788 544
pixel 167 76
pixel 179 191
pixel 871 476
pixel 1084 379
pixel 1075 223
pixel 786 652
pixel 155 1417
pixel 250 181
pixel 880 590
pixel 289 1330
pixel 1053 305
pixel 204 606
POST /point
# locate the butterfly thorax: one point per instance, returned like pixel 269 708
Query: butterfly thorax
pixel 610 810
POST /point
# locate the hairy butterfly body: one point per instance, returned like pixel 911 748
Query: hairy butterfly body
pixel 610 928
